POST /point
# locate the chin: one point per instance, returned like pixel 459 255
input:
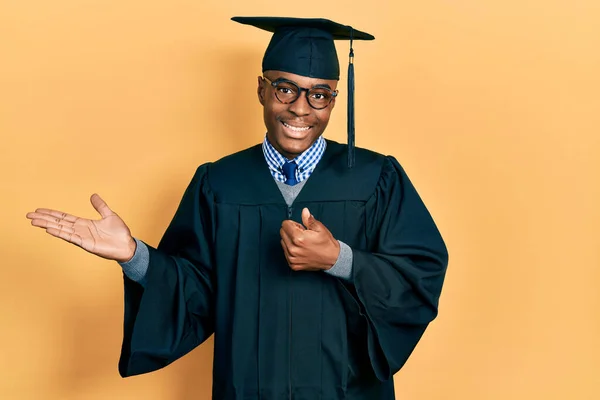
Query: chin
pixel 291 152
pixel 291 144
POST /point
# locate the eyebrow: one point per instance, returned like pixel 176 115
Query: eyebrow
pixel 320 85
pixel 323 85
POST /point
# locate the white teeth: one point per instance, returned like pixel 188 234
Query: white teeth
pixel 296 128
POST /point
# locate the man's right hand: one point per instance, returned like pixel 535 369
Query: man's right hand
pixel 107 237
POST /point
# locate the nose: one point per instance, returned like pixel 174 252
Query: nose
pixel 300 107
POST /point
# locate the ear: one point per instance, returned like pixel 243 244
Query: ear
pixel 261 90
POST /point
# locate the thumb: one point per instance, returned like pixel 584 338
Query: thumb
pixel 101 206
pixel 309 221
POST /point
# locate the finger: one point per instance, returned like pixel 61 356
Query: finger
pixel 52 225
pixel 293 247
pixel 286 238
pixel 286 252
pixel 316 226
pixel 289 258
pixel 66 236
pixel 53 213
pixel 44 223
pixel 294 224
pixel 292 227
pixel 306 217
pixel 40 223
pixel 293 240
pixel 311 222
pixel 48 218
pixel 101 206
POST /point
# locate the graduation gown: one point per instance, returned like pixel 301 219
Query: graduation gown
pixel 283 334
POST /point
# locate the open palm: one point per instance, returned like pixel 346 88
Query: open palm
pixel 108 237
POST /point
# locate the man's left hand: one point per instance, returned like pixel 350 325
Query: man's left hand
pixel 310 247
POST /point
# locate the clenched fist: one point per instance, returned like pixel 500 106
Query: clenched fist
pixel 308 247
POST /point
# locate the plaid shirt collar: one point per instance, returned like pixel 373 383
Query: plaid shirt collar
pixel 307 161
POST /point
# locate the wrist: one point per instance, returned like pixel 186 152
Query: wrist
pixel 335 253
pixel 130 250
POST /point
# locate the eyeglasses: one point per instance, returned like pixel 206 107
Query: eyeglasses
pixel 288 92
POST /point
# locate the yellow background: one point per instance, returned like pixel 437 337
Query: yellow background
pixel 491 106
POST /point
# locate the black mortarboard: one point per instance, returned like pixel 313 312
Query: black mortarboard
pixel 304 46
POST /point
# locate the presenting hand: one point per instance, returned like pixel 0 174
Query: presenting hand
pixel 310 247
pixel 108 237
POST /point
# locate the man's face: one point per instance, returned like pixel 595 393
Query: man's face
pixel 293 128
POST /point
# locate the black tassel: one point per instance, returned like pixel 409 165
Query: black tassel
pixel 351 105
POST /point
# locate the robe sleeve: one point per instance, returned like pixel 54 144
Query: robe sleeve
pixel 173 312
pixel 397 283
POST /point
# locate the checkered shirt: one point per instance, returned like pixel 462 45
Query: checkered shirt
pixel 306 161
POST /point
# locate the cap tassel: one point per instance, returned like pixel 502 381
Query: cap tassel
pixel 351 104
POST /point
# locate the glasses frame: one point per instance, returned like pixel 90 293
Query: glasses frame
pixel 276 82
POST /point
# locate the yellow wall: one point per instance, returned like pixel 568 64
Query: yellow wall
pixel 492 107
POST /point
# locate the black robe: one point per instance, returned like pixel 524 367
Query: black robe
pixel 282 334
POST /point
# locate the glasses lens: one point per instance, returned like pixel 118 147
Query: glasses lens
pixel 319 97
pixel 286 92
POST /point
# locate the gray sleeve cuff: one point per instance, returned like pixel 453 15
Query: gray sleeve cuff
pixel 343 265
pixel 135 269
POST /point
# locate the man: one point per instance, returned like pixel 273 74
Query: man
pixel 316 265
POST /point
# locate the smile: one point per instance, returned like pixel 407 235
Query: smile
pixel 296 128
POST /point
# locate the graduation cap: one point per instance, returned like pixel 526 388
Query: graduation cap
pixel 304 46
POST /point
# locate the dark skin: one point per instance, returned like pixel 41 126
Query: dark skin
pixel 107 237
pixel 307 247
pixel 299 114
pixel 311 246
